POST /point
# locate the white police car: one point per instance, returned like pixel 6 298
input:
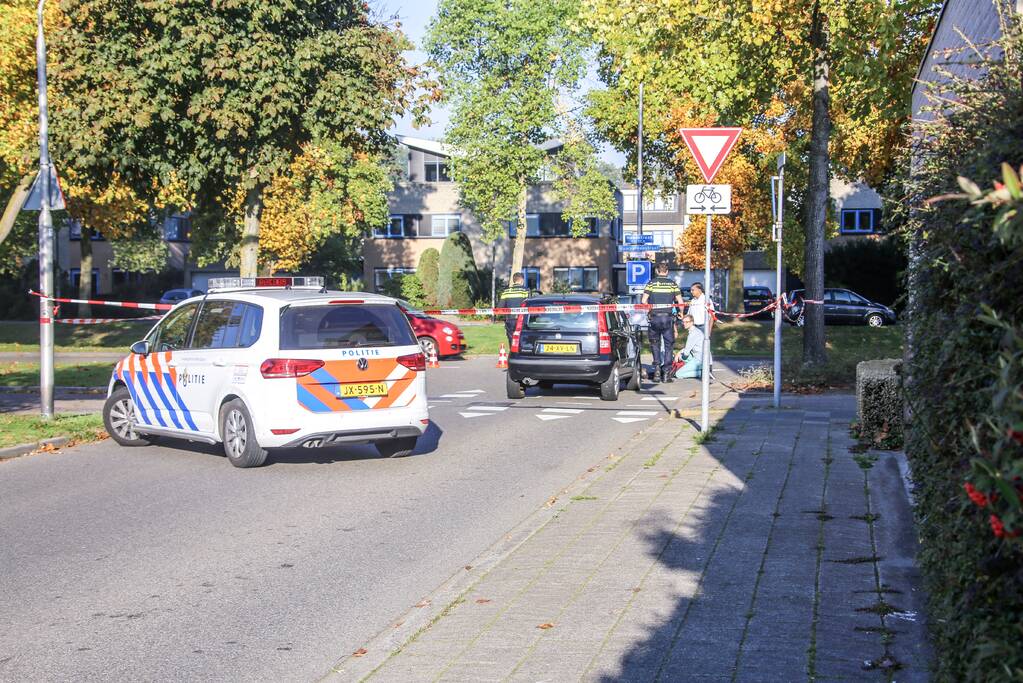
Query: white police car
pixel 262 363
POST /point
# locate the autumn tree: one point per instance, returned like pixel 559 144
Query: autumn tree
pixel 840 71
pixel 226 98
pixel 102 205
pixel 505 67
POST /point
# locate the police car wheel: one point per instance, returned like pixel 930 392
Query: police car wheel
pixel 610 387
pixel 513 388
pixel 119 419
pixel 239 437
pixel 396 448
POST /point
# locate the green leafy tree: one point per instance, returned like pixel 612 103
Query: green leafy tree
pixel 457 273
pixel 505 66
pixel 831 77
pixel 428 271
pixel 412 290
pixel 223 97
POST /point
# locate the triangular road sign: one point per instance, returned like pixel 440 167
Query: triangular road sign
pixel 710 147
pixel 34 201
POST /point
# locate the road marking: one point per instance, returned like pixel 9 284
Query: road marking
pixel 458 396
pixel 588 398
pixel 570 403
pixel 625 420
pixel 496 409
pixel 570 411
pixel 474 414
pixel 438 400
pixel 473 391
pixel 636 413
pixel 552 417
pixel 660 398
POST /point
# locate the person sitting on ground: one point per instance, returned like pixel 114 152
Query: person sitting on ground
pixel 691 356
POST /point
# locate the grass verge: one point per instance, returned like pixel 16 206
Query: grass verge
pixel 18 373
pixel 17 335
pixel 19 429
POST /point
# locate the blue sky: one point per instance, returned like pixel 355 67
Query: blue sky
pixel 414 15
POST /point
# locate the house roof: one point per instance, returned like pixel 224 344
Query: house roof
pixel 444 149
pixel 757 260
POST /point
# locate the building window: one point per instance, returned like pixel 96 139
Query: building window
pixel 177 228
pixel 859 220
pixel 443 224
pixel 75 275
pixel 436 170
pixel 388 280
pixel 579 279
pixel 532 277
pixel 394 228
pixel 75 231
pixel 549 225
pixel 657 203
pixel 629 201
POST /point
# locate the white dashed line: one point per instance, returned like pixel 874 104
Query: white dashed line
pixel 636 413
pixel 458 396
pixel 588 398
pixel 660 398
pixel 551 417
pixel 570 411
pixel 475 414
pixel 495 409
pixel 625 420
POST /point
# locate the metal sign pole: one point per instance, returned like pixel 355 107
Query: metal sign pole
pixel 639 164
pixel 45 237
pixel 705 371
pixel 779 215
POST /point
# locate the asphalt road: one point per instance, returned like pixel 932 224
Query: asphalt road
pixel 167 563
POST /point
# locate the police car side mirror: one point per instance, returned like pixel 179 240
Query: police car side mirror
pixel 140 348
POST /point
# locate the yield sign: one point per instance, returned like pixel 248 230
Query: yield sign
pixel 710 147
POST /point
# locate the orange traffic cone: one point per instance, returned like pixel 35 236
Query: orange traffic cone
pixel 502 358
pixel 434 363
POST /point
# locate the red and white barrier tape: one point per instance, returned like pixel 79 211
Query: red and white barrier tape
pixel 522 310
pixel 95 302
pixel 97 321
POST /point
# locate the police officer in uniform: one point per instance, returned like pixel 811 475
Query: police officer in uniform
pixel 659 291
pixel 513 297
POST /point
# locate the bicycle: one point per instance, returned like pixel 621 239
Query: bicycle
pixel 707 194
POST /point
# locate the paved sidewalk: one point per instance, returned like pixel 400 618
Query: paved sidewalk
pixel 770 553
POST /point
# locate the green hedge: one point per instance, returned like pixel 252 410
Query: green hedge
pixel 879 402
pixel 964 379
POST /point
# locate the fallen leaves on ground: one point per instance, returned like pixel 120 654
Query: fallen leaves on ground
pixel 422 603
pixel 483 601
pixel 546 626
pixel 360 652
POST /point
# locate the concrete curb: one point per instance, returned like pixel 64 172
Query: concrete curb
pixel 359 665
pixel 26 448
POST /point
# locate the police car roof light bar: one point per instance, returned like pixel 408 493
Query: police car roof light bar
pixel 220 284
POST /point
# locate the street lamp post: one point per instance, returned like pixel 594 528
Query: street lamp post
pixel 45 236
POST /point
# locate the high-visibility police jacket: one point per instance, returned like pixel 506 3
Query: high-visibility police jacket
pixel 662 290
pixel 514 296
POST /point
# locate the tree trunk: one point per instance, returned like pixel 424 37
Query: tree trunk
pixel 519 248
pixel 249 251
pixel 85 272
pixel 817 196
pixel 735 284
pixel 14 205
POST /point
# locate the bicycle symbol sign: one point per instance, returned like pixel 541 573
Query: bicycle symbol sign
pixel 709 199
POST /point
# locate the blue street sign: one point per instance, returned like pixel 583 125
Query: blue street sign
pixel 638 247
pixel 637 273
pixel 633 238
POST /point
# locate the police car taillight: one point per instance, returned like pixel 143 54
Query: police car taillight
pixel 413 361
pixel 603 336
pixel 517 334
pixel 280 368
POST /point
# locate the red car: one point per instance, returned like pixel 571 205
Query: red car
pixel 434 334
